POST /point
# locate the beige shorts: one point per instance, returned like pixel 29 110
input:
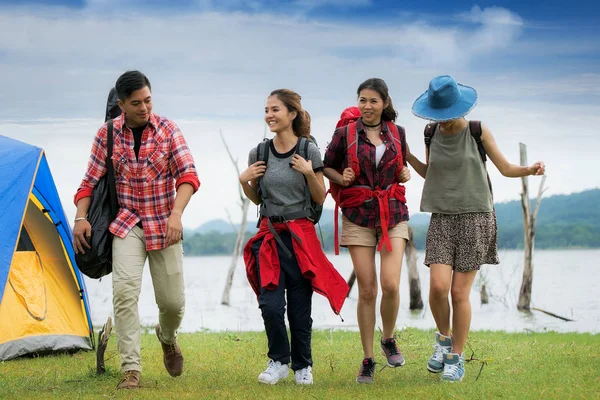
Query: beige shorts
pixel 356 235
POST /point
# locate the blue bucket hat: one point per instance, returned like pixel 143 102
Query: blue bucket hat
pixel 445 100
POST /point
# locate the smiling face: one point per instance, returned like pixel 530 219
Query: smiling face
pixel 277 115
pixel 371 106
pixel 137 107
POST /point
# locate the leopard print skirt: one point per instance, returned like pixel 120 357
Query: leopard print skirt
pixel 464 241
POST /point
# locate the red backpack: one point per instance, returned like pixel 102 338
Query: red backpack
pixel 348 119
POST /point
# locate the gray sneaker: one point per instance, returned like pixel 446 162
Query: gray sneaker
pixel 442 346
pixel 367 371
pixel 392 353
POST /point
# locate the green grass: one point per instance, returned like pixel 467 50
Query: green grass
pixel 226 365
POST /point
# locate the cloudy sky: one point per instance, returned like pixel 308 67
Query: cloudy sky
pixel 212 64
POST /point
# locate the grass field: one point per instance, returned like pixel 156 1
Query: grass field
pixel 226 365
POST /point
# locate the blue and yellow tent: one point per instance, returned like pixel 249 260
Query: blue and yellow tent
pixel 43 300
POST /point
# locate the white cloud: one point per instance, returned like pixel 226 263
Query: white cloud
pixel 212 70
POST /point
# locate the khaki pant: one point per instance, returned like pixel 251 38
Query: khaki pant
pixel 166 269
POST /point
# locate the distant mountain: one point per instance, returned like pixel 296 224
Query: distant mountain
pixel 222 226
pixel 563 221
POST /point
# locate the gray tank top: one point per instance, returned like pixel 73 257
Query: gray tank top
pixel 456 179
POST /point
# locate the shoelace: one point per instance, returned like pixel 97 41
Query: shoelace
pixel 438 352
pixel 271 368
pixel 304 374
pixel 451 370
pixel 390 348
pixel 128 377
pixel 367 369
pixel 172 348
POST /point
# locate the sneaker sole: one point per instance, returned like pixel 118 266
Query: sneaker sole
pixel 365 382
pixel 272 382
pixel 450 381
pixel 433 371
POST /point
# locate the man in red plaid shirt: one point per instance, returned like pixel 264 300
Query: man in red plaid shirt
pixel 155 179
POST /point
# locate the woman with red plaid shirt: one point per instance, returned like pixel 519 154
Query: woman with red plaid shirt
pixel 381 218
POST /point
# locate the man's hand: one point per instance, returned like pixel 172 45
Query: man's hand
pixel 82 232
pixel 174 231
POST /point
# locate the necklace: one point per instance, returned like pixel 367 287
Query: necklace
pixel 371 126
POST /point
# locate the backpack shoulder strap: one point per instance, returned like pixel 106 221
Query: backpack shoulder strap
pixel 428 133
pixel 475 128
pixel 302 147
pixel 395 132
pixel 352 145
pixel 262 150
pixel 112 186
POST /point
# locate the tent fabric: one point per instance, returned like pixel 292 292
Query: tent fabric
pixel 42 292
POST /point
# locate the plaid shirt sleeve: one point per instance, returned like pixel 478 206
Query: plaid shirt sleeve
pixel 96 167
pixel 335 153
pixel 181 163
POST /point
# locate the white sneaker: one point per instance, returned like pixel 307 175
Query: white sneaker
pixel 274 372
pixel 304 376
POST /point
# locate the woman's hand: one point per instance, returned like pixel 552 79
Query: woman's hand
pixel 301 165
pixel 537 169
pixel 253 172
pixel 348 177
pixel 404 175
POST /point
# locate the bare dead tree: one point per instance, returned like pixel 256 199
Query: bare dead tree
pixel 240 233
pixel 351 281
pixel 414 283
pixel 529 218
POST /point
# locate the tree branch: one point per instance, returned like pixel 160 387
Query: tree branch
pixel 234 162
pixel 541 191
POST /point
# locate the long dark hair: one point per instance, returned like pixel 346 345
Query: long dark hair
pixel 379 85
pixel 291 99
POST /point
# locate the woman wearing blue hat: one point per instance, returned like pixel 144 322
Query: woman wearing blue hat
pixel 462 231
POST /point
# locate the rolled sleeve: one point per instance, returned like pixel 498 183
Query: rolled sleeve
pixel 182 162
pixel 336 150
pixel 96 167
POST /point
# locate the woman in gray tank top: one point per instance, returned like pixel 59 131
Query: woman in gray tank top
pixel 462 231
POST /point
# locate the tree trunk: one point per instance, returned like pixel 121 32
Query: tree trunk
pixel 241 233
pixel 414 283
pixel 484 294
pixel 351 281
pixel 529 219
pixel 239 242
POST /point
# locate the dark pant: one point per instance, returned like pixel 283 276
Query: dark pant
pixel 299 299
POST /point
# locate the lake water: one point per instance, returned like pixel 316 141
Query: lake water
pixel 565 282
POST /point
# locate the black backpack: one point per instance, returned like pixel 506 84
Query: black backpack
pixel 311 210
pixel 97 260
pixel 475 129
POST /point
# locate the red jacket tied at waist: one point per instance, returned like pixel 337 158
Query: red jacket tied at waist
pixel 313 263
pixel 354 196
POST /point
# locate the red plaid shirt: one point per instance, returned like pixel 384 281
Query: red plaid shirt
pixel 146 185
pixel 382 176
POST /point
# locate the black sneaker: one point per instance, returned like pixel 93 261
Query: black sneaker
pixel 367 371
pixel 392 353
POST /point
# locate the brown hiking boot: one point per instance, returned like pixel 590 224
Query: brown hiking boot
pixel 171 355
pixel 130 380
